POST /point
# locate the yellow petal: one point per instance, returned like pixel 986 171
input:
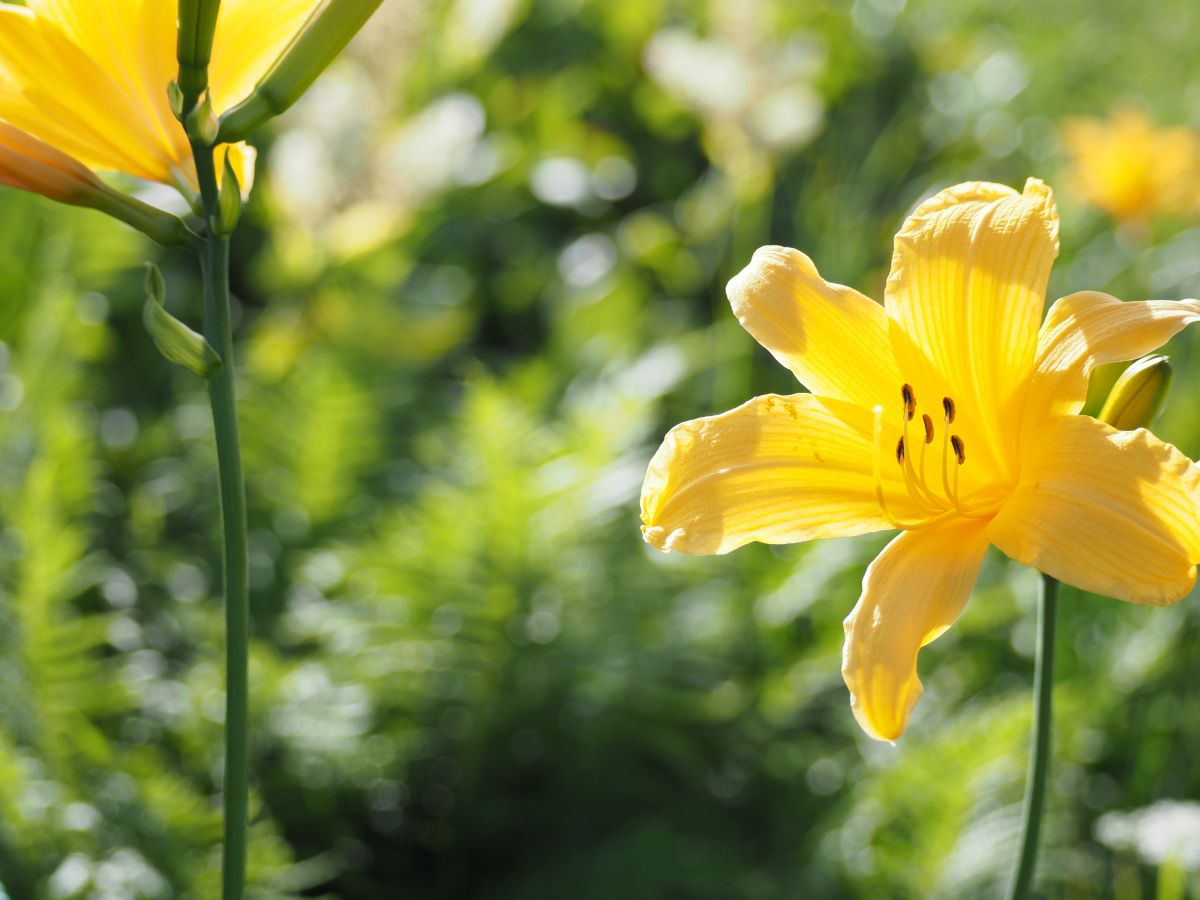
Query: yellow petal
pixel 242 158
pixel 1090 329
pixel 90 78
pixel 833 338
pixel 89 99
pixel 250 36
pixel 912 592
pixel 965 297
pixel 776 470
pixel 1112 512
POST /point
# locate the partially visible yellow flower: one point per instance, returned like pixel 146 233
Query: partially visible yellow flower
pixel 89 77
pixel 1131 169
pixel 948 414
pixel 32 165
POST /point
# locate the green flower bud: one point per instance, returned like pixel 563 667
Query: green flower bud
pixel 1139 394
pixel 202 124
pixel 229 201
pixel 174 340
pixel 328 30
pixel 193 48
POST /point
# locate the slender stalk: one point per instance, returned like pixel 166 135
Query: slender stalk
pixel 217 330
pixel 1039 747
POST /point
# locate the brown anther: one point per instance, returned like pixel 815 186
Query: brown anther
pixel 948 409
pixel 910 401
pixel 928 422
pixel 900 452
pixel 960 450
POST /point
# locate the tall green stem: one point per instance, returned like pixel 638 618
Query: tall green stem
pixel 1039 751
pixel 217 330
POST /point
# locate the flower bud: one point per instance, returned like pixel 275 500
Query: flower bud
pixel 1139 394
pixel 174 340
pixel 201 123
pixel 324 35
pixel 193 48
pixel 229 201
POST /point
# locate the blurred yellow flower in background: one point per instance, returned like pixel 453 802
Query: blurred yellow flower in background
pixel 946 413
pixel 90 78
pixel 1131 169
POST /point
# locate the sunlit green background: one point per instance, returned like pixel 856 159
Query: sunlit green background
pixel 482 274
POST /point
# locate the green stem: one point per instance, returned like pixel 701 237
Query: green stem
pixel 217 330
pixel 1039 752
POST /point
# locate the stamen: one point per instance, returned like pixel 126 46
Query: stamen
pixel 946 451
pixel 960 456
pixel 928 422
pixel 877 461
pixel 939 514
pixel 948 409
pixel 917 489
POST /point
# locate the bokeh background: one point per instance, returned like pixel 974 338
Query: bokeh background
pixel 482 274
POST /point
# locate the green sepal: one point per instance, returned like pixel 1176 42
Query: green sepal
pixel 1138 395
pixel 175 98
pixel 174 340
pixel 229 201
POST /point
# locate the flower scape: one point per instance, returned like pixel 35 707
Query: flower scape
pixel 948 414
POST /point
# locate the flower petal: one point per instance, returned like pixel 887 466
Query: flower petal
pixel 86 99
pixel 832 338
pixel 965 297
pixel 90 78
pixel 912 592
pixel 1112 512
pixel 776 470
pixel 1089 329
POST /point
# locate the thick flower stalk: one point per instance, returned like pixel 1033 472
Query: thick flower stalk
pixel 944 413
pixel 90 79
pixel 137 87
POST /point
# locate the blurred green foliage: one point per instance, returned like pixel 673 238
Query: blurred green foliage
pixel 482 275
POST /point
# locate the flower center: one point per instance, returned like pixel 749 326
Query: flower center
pixel 931 506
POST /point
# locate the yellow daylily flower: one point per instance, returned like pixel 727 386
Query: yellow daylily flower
pixel 945 413
pixel 32 165
pixel 89 77
pixel 1131 169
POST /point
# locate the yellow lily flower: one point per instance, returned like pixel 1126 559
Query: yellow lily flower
pixel 89 77
pixel 947 414
pixel 32 165
pixel 1131 169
